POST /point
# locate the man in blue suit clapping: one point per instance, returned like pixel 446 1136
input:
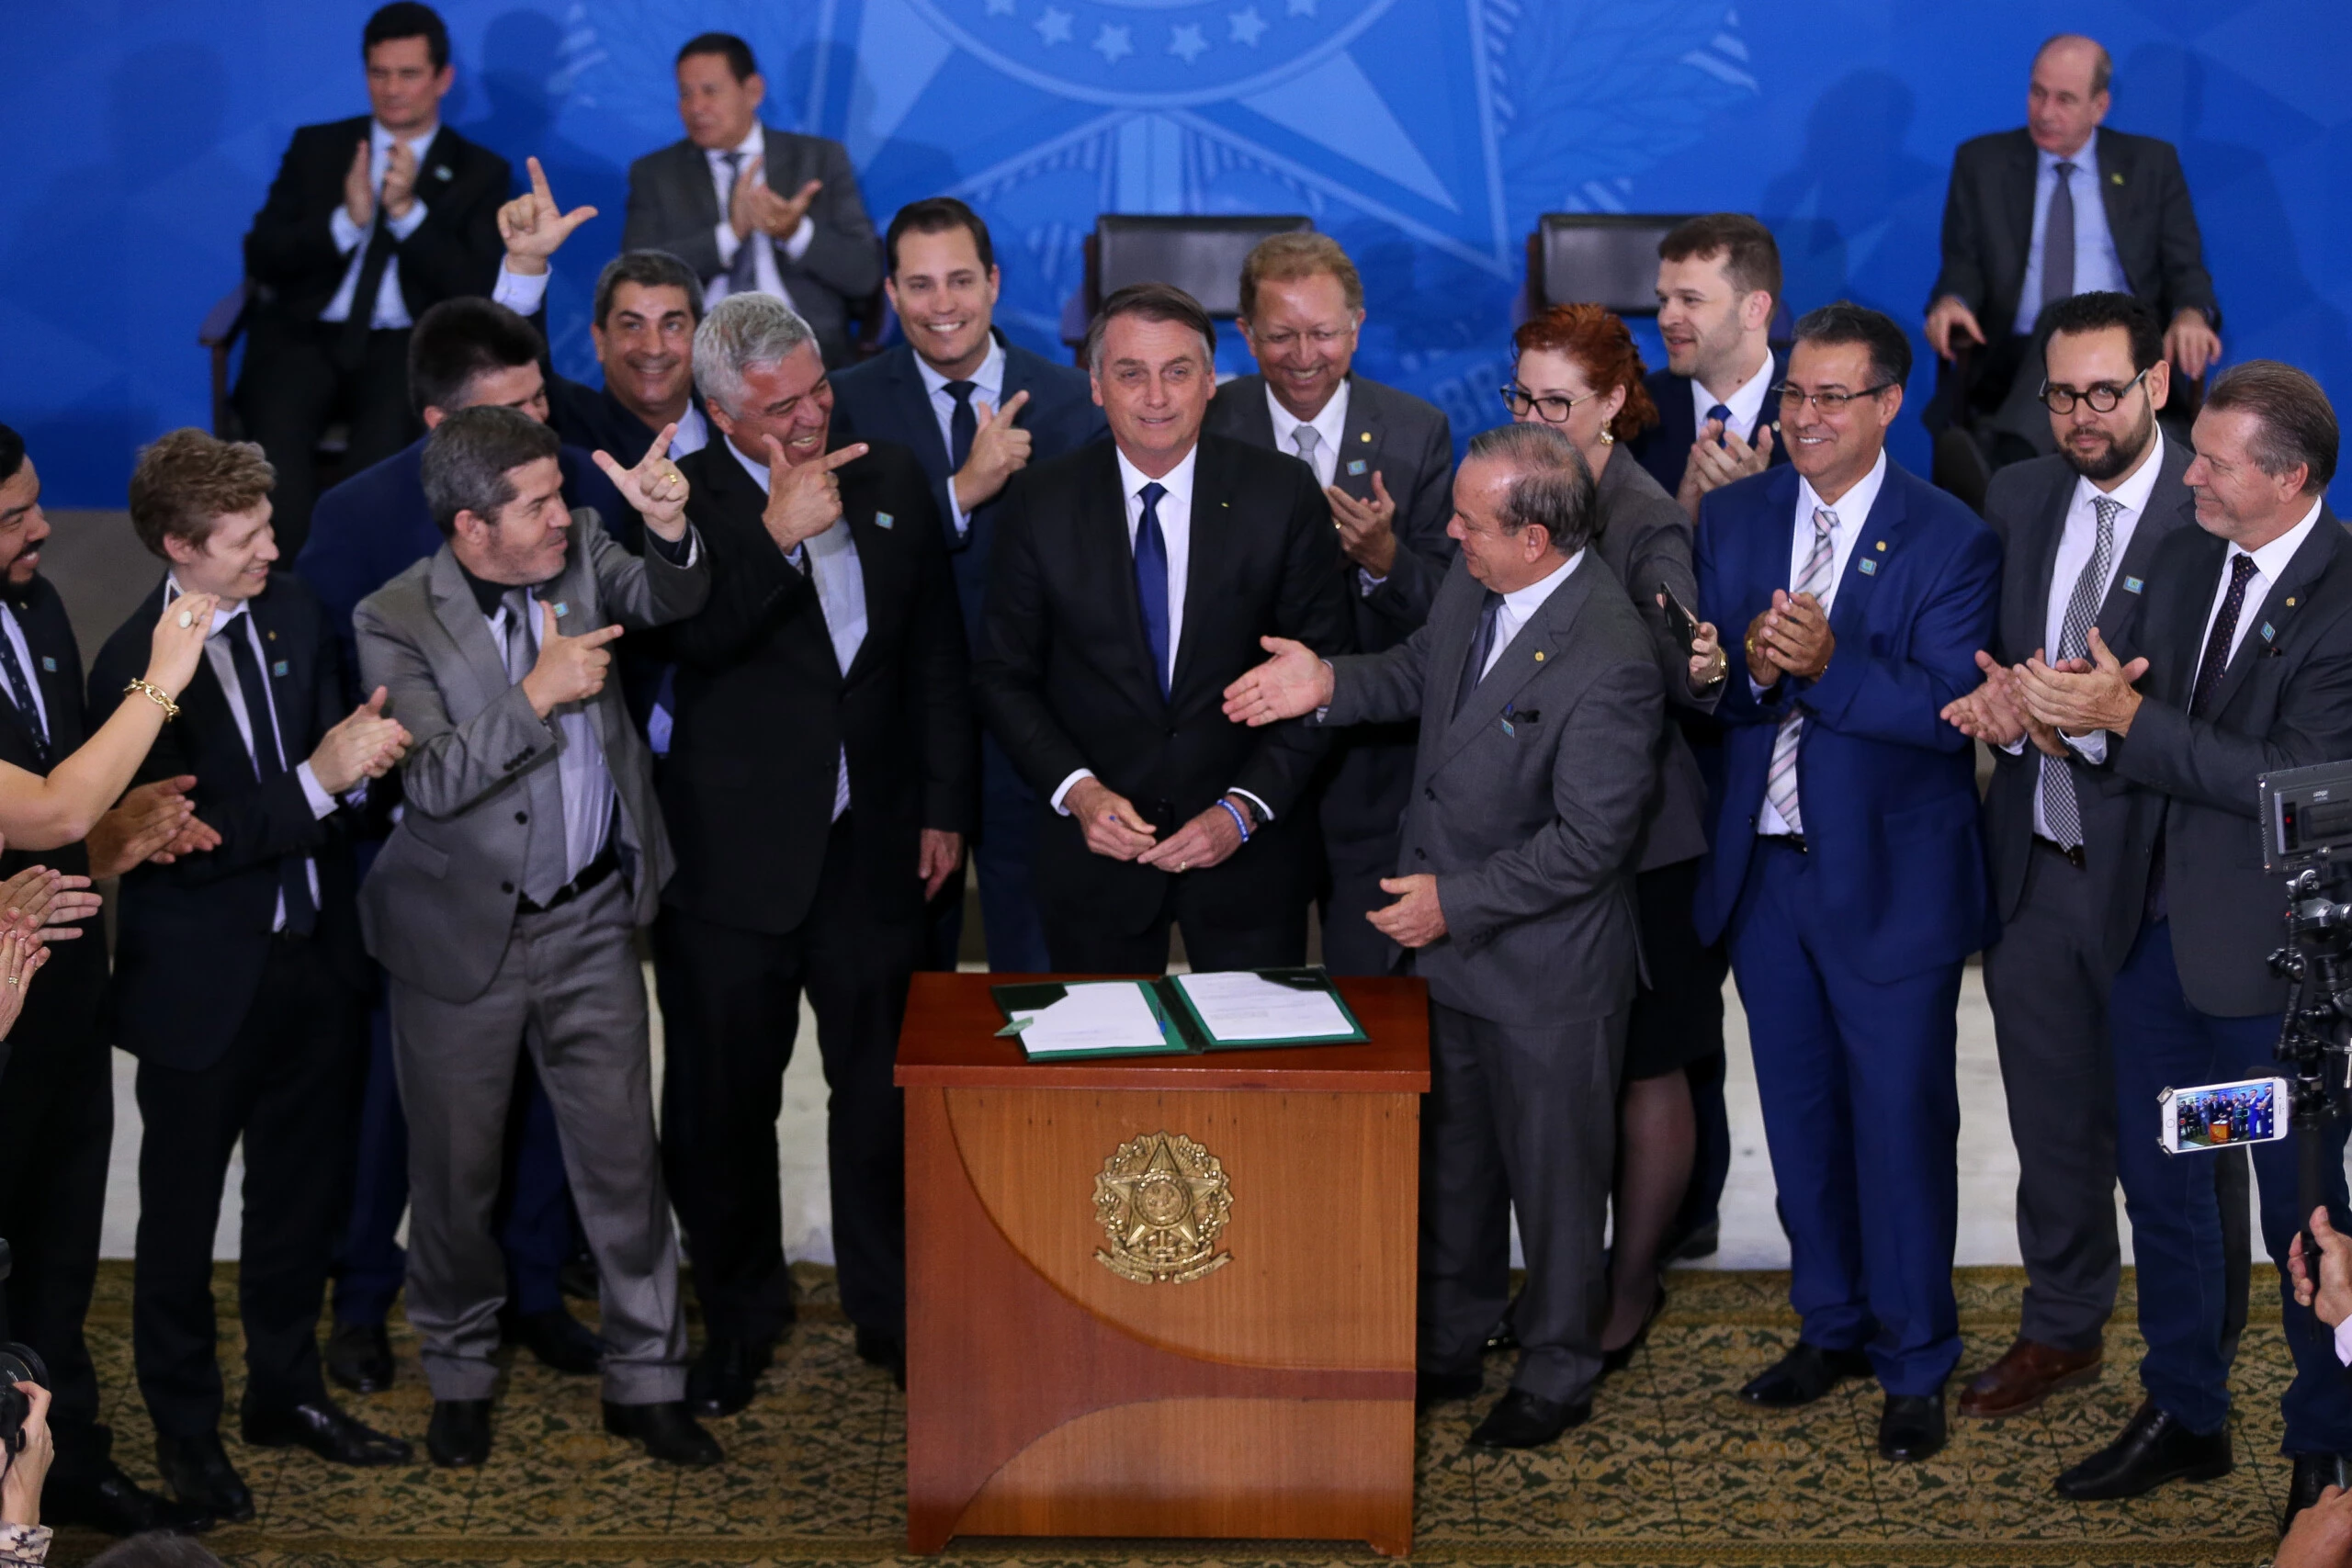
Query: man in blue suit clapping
pixel 976 409
pixel 1846 872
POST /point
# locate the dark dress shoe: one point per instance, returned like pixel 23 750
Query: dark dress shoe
pixel 1803 1375
pixel 559 1341
pixel 1441 1388
pixel 1617 1361
pixel 2154 1447
pixel 323 1429
pixel 359 1356
pixel 576 1278
pixel 114 1502
pixel 199 1474
pixel 2027 1372
pixel 458 1434
pixel 725 1376
pixel 668 1431
pixel 1524 1420
pixel 1699 1242
pixel 1502 1337
pixel 2314 1473
pixel 1911 1428
pixel 879 1349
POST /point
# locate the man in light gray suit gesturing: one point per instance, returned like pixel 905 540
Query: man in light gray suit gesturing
pixel 1540 699
pixel 506 902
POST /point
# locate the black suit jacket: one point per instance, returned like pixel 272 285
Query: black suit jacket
pixel 1066 682
pixel 1664 448
pixel 1409 443
pixel 673 207
pixel 885 398
pixel 2026 508
pixel 764 710
pixel 291 254
pixel 2285 701
pixel 192 936
pixel 62 1009
pixel 1988 225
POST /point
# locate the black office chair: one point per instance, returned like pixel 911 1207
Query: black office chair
pixel 1608 259
pixel 217 334
pixel 1200 255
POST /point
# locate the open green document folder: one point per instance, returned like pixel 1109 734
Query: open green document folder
pixel 1231 1011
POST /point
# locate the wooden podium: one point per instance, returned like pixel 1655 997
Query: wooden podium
pixel 1160 1295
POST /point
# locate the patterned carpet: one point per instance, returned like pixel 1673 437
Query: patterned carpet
pixel 1670 1471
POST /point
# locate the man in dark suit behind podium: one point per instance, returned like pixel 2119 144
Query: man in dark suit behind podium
pixel 369 222
pixel 974 409
pixel 2123 223
pixel 1384 460
pixel 1131 583
pixel 752 208
pixel 1718 289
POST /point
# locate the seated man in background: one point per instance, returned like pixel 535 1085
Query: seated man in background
pixel 974 409
pixel 750 208
pixel 1718 287
pixel 1385 460
pixel 2059 208
pixel 369 223
pixel 239 984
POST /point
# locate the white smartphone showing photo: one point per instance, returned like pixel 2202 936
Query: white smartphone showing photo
pixel 2223 1115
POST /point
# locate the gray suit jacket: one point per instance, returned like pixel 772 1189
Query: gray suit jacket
pixel 440 899
pixel 1645 540
pixel 2026 508
pixel 673 207
pixel 1528 803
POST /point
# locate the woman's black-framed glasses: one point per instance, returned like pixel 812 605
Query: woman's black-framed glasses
pixel 1552 408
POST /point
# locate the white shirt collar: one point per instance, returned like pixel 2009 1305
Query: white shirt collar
pixel 988 381
pixel 380 140
pixel 2132 493
pixel 1523 603
pixel 756 469
pixel 1851 507
pixel 755 143
pixel 1177 482
pixel 2086 157
pixel 1747 404
pixel 2271 558
pixel 1331 425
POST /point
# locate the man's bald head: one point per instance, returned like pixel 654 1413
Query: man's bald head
pixel 2068 96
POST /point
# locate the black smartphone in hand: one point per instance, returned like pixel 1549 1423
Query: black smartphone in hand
pixel 1679 617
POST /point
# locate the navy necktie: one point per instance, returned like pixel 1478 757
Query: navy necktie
pixel 261 719
pixel 1721 412
pixel 1151 581
pixel 20 690
pixel 962 425
pixel 1482 648
pixel 2221 638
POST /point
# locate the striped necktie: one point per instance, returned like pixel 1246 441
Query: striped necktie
pixel 1781 781
pixel 2060 808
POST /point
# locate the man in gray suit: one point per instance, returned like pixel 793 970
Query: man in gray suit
pixel 1541 699
pixel 1384 460
pixel 505 904
pixel 2079 534
pixel 750 208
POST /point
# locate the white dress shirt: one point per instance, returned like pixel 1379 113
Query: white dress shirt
pixel 1330 428
pixel 2344 1342
pixel 1746 404
pixel 232 620
pixel 2077 538
pixel 988 387
pixel 1519 607
pixel 722 179
pixel 390 309
pixel 24 661
pixel 1175 514
pixel 1852 510
pixel 2097 267
pixel 829 560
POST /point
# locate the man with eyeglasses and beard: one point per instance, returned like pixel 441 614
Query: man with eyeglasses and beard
pixel 2079 531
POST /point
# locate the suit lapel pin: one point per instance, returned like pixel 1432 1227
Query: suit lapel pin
pixel 561 611
pixel 2116 178
pixel 1882 544
pixel 441 172
pixel 49 664
pixel 1355 466
pixel 1867 566
pixel 279 668
pixel 272 637
pixel 2133 586
pixel 1365 438
pixel 2268 631
pixel 1539 656
pixel 883 520
pixel 2290 603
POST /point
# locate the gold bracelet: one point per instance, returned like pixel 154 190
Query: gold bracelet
pixel 155 694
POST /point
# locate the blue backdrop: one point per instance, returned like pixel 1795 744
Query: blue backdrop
pixel 1425 134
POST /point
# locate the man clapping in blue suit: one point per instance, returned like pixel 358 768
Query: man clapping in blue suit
pixel 1846 871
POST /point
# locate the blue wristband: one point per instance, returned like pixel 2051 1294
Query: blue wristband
pixel 1239 820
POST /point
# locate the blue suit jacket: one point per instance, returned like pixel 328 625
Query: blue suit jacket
pixel 375 525
pixel 884 399
pixel 1888 788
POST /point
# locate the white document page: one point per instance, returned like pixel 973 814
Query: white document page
pixel 1238 1005
pixel 1103 1015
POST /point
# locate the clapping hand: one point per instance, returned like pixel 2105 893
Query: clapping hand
pixel 363 745
pixel 142 825
pixel 752 206
pixel 655 487
pixel 399 181
pixel 1719 457
pixel 359 188
pixel 1991 712
pixel 20 959
pixel 804 500
pixel 2075 700
pixel 1293 683
pixel 1367 528
pixel 1793 637
pixel 534 227
pixel 47 905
